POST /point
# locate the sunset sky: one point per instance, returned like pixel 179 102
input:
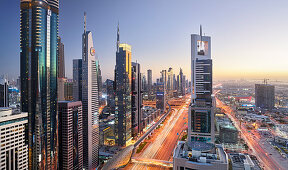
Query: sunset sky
pixel 249 38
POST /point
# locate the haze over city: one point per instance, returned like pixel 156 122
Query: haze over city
pixel 143 84
pixel 246 34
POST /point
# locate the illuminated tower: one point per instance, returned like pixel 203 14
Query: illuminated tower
pixel 38 72
pixel 123 93
pixel 89 101
pixel 201 115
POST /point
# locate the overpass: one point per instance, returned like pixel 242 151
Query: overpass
pixel 124 156
pixel 152 162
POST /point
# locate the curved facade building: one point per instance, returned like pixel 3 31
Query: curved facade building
pixel 38 70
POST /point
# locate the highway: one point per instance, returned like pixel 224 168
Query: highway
pixel 164 140
pixel 253 143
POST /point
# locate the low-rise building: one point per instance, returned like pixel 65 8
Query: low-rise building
pixel 241 161
pixel 199 155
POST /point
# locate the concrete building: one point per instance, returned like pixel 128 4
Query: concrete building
pixel 241 161
pixel 4 95
pixel 123 82
pixel 201 114
pixel 70 135
pixel 61 88
pixel 14 148
pixel 90 102
pixel 136 103
pixel 199 155
pixel 68 90
pixel 38 72
pixel 265 96
pixel 228 134
pixel 170 82
pixel 77 80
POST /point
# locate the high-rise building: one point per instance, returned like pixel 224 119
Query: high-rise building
pixel 163 78
pixel 150 83
pixel 4 96
pixel 170 81
pixel 265 96
pixel 143 82
pixel 90 102
pixel 110 95
pixel 77 80
pixel 136 100
pixel 161 96
pixel 68 90
pixel 181 83
pixel 70 135
pixel 61 88
pixel 38 72
pixel 14 149
pixel 61 59
pixel 123 93
pixel 201 114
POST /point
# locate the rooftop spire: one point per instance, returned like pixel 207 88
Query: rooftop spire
pixel 118 37
pixel 84 22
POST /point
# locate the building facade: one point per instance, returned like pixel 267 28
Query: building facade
pixel 90 102
pixel 161 96
pixel 38 72
pixel 136 102
pixel 265 96
pixel 14 148
pixel 70 135
pixel 201 114
pixel 123 82
pixel 4 95
pixel 149 83
pixel 77 80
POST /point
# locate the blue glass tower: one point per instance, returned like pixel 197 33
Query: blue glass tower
pixel 38 71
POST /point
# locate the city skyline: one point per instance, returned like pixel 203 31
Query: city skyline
pixel 224 21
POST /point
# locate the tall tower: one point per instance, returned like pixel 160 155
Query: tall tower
pixel 89 101
pixel 136 99
pixel 38 72
pixel 170 81
pixel 201 114
pixel 150 82
pixel 123 68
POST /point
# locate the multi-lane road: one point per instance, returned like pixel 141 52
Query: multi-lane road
pixel 162 143
pixel 253 142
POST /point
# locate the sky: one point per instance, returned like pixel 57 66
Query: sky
pixel 249 38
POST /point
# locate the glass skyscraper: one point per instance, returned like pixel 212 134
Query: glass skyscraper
pixel 123 93
pixel 38 71
pixel 201 114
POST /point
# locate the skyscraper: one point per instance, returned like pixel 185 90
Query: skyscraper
pixel 201 115
pixel 161 96
pixel 136 100
pixel 70 135
pixel 14 149
pixel 150 83
pixel 61 59
pixel 77 80
pixel 265 96
pixel 89 101
pixel 170 81
pixel 123 93
pixel 163 78
pixel 99 81
pixel 38 72
pixel 181 83
pixel 4 96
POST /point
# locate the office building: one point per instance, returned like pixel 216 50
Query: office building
pixel 61 89
pixel 77 80
pixel 123 93
pixel 4 93
pixel 199 155
pixel 201 114
pixel 61 59
pixel 38 72
pixel 228 134
pixel 70 135
pixel 150 83
pixel 163 78
pixel 181 83
pixel 14 149
pixel 110 95
pixel 136 102
pixel 68 90
pixel 161 96
pixel 100 84
pixel 90 102
pixel 240 161
pixel 170 82
pixel 265 96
